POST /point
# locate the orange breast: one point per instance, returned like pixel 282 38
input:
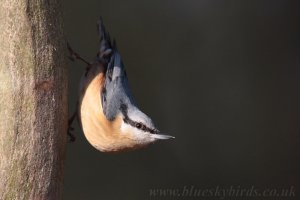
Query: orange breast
pixel 103 134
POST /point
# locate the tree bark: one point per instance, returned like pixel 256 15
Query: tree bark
pixel 33 99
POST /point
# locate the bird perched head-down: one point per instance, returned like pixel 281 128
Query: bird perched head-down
pixel 109 117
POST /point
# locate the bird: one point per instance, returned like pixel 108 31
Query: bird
pixel 108 114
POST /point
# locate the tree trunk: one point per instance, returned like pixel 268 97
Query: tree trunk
pixel 33 99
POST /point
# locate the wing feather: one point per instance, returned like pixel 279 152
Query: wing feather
pixel 116 88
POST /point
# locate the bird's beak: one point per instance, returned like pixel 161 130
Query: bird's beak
pixel 162 137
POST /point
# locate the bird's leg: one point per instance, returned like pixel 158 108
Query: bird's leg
pixel 70 128
pixel 73 56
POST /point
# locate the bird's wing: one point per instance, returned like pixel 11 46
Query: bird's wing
pixel 116 89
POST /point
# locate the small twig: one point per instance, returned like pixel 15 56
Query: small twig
pixel 75 56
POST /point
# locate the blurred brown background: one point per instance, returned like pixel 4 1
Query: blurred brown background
pixel 223 77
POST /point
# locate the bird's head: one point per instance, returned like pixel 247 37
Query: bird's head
pixel 140 126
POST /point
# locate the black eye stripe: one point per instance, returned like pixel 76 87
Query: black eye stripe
pixel 138 125
pixel 142 126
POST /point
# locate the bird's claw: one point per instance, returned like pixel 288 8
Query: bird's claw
pixel 72 138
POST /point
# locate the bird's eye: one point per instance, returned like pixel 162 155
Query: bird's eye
pixel 139 125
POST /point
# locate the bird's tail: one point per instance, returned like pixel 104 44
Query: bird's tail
pixel 106 46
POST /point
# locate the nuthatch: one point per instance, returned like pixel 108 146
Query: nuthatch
pixel 109 117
